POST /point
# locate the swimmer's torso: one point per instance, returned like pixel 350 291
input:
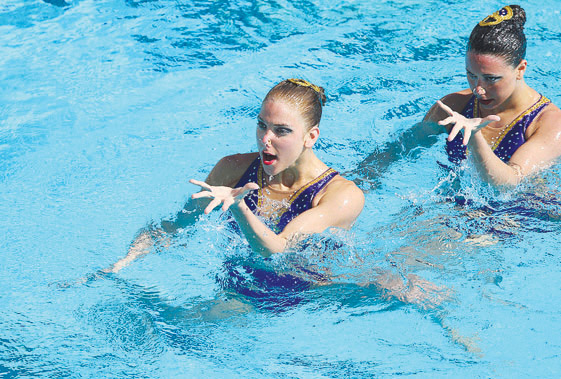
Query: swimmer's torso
pixel 504 141
pixel 280 207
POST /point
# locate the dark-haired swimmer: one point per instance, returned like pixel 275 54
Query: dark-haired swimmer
pixel 278 193
pixel 509 128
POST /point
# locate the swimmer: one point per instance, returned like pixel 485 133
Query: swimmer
pixel 510 129
pixel 277 194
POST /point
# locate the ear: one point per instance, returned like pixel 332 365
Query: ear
pixel 311 137
pixel 521 69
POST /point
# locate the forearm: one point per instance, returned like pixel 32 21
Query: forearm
pixel 492 169
pixel 260 237
pixel 141 246
pixel 421 135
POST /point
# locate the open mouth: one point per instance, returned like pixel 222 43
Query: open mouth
pixel 486 101
pixel 269 159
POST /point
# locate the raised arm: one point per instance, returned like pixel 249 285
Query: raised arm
pixel 225 170
pixel 339 206
pixel 422 134
pixel 539 151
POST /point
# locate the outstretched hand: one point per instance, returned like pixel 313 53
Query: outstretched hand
pixel 221 194
pixel 468 125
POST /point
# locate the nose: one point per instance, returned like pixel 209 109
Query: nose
pixel 267 137
pixel 478 90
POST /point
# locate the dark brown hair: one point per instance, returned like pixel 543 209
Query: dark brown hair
pixel 501 34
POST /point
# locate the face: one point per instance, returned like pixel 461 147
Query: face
pixel 282 136
pixel 492 79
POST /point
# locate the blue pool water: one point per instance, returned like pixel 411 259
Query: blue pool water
pixel 108 107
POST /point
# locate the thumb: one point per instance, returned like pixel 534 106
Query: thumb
pixel 492 118
pixel 251 186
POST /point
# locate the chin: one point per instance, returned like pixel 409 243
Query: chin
pixel 492 105
pixel 269 170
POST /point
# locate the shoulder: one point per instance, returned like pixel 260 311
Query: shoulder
pixel 342 192
pixel 229 170
pixel 547 124
pixel 457 101
pixel 551 115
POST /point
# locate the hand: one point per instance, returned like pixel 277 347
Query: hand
pixel 220 194
pixel 469 125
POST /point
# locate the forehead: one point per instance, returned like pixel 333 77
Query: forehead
pixel 486 63
pixel 280 112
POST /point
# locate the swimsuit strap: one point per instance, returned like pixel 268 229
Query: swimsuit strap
pixel 510 139
pixel 514 134
pixel 299 202
pixel 302 199
pixel 251 176
pixel 523 120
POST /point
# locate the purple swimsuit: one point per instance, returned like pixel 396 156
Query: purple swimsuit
pixel 513 136
pixel 298 203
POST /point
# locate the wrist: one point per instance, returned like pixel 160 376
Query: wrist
pixel 477 140
pixel 240 207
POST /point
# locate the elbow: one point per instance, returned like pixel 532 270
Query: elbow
pixel 510 179
pixel 267 252
pixel 266 249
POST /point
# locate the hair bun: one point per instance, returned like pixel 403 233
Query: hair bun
pixel 519 16
pixel 322 97
pixel 507 17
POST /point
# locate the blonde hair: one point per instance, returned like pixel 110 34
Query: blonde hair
pixel 307 97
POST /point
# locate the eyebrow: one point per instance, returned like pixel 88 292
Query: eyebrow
pixel 275 125
pixel 486 75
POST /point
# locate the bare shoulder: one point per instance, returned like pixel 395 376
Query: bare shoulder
pixel 229 170
pixel 457 101
pixel 343 191
pixel 551 115
pixel 547 123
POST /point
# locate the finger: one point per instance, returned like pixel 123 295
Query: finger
pixel 489 119
pixel 446 121
pixel 445 107
pixel 467 136
pixel 249 187
pixel 227 203
pixel 242 191
pixel 201 194
pixel 252 186
pixel 200 184
pixel 213 204
pixel 454 132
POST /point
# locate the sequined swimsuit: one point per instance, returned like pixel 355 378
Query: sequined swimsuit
pixel 298 203
pixel 512 137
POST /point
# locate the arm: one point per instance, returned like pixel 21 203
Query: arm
pixel 539 151
pixel 152 235
pixel 421 135
pixel 339 206
pixel 228 170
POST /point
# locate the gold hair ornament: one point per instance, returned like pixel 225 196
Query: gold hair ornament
pixel 499 16
pixel 305 83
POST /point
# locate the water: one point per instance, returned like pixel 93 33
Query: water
pixel 109 107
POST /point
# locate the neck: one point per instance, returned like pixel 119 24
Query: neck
pixel 306 168
pixel 522 97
